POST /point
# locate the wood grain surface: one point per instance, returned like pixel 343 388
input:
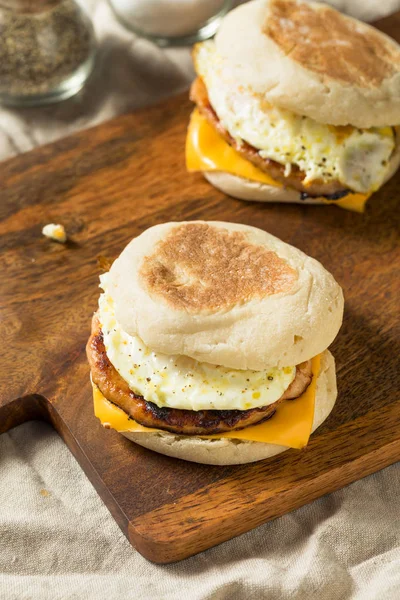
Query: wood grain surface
pixel 107 185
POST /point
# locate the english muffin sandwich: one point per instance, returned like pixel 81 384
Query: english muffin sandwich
pixel 210 343
pixel 296 103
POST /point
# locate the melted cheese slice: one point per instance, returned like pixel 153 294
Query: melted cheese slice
pixel 290 426
pixel 207 151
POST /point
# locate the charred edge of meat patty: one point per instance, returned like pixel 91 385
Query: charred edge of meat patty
pixel 179 421
pixel 332 190
pixel 335 196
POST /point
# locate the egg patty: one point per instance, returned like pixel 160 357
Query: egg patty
pixel 182 382
pixel 357 158
pixel 183 422
pixel 332 190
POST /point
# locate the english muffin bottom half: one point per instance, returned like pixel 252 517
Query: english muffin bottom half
pixel 210 343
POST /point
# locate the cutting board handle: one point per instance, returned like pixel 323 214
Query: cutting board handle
pixel 28 408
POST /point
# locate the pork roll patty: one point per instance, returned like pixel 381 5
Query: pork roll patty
pixel 332 189
pixel 183 422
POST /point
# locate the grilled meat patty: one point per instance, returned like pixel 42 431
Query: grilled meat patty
pixel 186 422
pixel 331 189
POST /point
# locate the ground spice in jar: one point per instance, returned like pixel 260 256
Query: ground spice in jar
pixel 43 44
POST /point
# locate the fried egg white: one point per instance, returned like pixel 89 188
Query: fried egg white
pixel 182 382
pixel 358 158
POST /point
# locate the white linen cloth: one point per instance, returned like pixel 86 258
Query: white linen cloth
pixel 57 539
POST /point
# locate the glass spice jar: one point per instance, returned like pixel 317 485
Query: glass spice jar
pixel 172 22
pixel 47 50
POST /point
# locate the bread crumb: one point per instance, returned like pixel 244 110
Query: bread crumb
pixel 44 493
pixel 55 232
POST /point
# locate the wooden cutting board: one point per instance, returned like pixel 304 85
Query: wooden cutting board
pixel 107 185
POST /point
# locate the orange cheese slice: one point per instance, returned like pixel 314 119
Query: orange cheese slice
pixel 290 426
pixel 207 151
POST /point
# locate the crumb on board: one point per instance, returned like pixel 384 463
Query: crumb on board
pixel 44 493
pixel 55 232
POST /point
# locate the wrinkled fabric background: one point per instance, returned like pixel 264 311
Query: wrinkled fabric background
pixel 57 539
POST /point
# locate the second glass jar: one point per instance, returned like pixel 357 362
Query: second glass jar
pixel 172 22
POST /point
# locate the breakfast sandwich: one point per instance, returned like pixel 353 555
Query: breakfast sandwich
pixel 210 343
pixel 296 102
